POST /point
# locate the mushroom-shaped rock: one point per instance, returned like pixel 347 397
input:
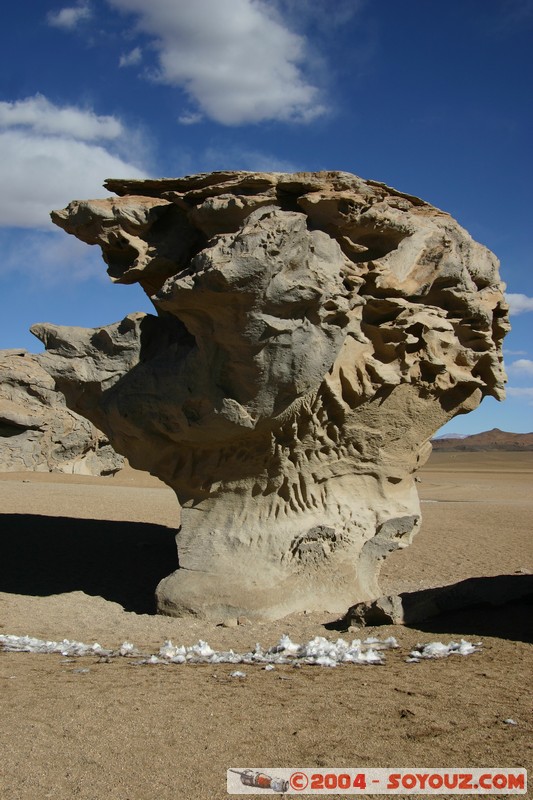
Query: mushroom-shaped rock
pixel 312 332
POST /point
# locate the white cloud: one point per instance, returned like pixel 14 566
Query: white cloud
pixel 514 352
pixel 236 61
pixel 132 58
pixel 44 117
pixel 524 366
pixel 52 155
pixel 519 303
pixel 69 17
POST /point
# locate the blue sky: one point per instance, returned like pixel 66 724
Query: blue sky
pixel 432 98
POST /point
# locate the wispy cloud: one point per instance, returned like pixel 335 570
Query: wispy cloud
pixel 326 15
pixel 523 366
pixel 48 258
pixel 519 303
pixel 214 158
pixel 190 118
pixel 132 58
pixel 43 117
pixel 237 62
pixel 53 154
pixel 514 352
pixel 230 157
pixel 508 19
pixel 521 393
pixel 69 17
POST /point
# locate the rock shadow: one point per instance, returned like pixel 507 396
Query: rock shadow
pixel 119 561
pixel 500 606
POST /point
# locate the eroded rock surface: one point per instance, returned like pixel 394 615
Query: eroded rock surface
pixel 313 331
pixel 37 430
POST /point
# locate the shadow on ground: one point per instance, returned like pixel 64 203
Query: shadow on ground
pixel 501 606
pixel 511 621
pixel 119 561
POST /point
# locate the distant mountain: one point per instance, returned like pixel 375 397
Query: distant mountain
pixel 488 440
pixel 450 436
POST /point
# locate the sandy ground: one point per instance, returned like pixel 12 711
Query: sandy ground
pixel 80 559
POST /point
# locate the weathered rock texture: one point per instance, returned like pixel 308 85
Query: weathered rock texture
pixel 313 332
pixel 37 430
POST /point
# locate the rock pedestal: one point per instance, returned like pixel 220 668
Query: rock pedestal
pixel 313 331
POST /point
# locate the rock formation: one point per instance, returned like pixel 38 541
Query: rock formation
pixel 313 331
pixel 37 430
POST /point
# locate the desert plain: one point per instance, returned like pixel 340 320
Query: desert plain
pixel 80 560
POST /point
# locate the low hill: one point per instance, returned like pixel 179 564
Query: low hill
pixel 488 440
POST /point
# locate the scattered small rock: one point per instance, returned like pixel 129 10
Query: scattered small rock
pixel 229 622
pixel 386 610
pixel 243 621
